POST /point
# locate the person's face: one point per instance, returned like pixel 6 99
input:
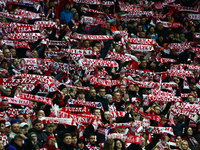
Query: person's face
pixel 182 38
pixel 7 53
pixel 78 84
pixel 15 127
pixel 143 20
pixel 117 96
pixel 86 44
pixel 18 90
pixel 107 11
pixel 97 112
pixel 192 29
pixel 92 93
pixel 118 144
pixel 67 140
pixel 160 26
pixel 131 87
pixel 64 90
pixel 7 130
pixel 179 138
pixel 184 146
pixel 175 120
pixel 137 56
pixel 142 142
pixel 152 30
pixel 137 88
pixel 176 80
pixel 81 145
pixel 102 92
pixel 13 52
pixel 106 115
pixel 182 118
pixel 173 52
pixel 108 25
pixel 171 36
pixel 4 105
pixel 51 141
pixel 143 64
pixel 190 99
pixel 38 126
pixel 21 118
pixel 74 140
pixel 122 88
pixel 16 62
pixel 1 145
pixel 110 99
pixel 2 127
pixel 19 141
pixel 34 53
pixel 157 110
pixel 84 28
pixel 40 114
pixel 67 7
pixel 1 56
pixel 49 128
pixel 4 65
pixel 81 96
pixel 189 132
pixel 139 28
pixel 76 16
pixel 92 140
pixel 160 38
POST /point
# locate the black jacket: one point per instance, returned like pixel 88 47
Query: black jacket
pixel 103 101
pixel 67 147
pixel 41 136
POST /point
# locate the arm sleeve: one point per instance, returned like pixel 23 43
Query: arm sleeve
pixel 35 90
pixel 105 50
pixel 164 112
pixel 154 141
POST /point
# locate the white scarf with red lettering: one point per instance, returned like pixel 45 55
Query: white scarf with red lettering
pixel 92 21
pixel 183 46
pixel 125 137
pixel 92 11
pixel 92 37
pixel 194 16
pixel 25 36
pixel 28 14
pixel 93 2
pixel 16 44
pixel 171 24
pixel 141 48
pixel 76 109
pixel 86 103
pixel 115 114
pixel 107 83
pixel 142 41
pixel 190 9
pixel 95 62
pixel 54 120
pixel 164 99
pixel 118 56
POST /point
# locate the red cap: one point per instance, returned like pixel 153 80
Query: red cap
pixel 50 136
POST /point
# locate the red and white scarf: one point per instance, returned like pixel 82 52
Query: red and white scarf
pixel 35 98
pixel 141 48
pixel 54 120
pixel 17 101
pixel 142 41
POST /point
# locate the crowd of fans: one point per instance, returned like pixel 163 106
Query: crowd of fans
pixel 91 74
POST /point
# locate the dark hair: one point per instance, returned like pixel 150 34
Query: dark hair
pixel 73 134
pixel 66 134
pixel 17 137
pixel 185 131
pixel 123 144
pixel 36 121
pixel 80 92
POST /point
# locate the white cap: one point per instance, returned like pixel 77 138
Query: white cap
pixel 22 124
pixel 7 124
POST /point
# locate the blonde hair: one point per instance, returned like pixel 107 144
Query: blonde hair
pixel 184 141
